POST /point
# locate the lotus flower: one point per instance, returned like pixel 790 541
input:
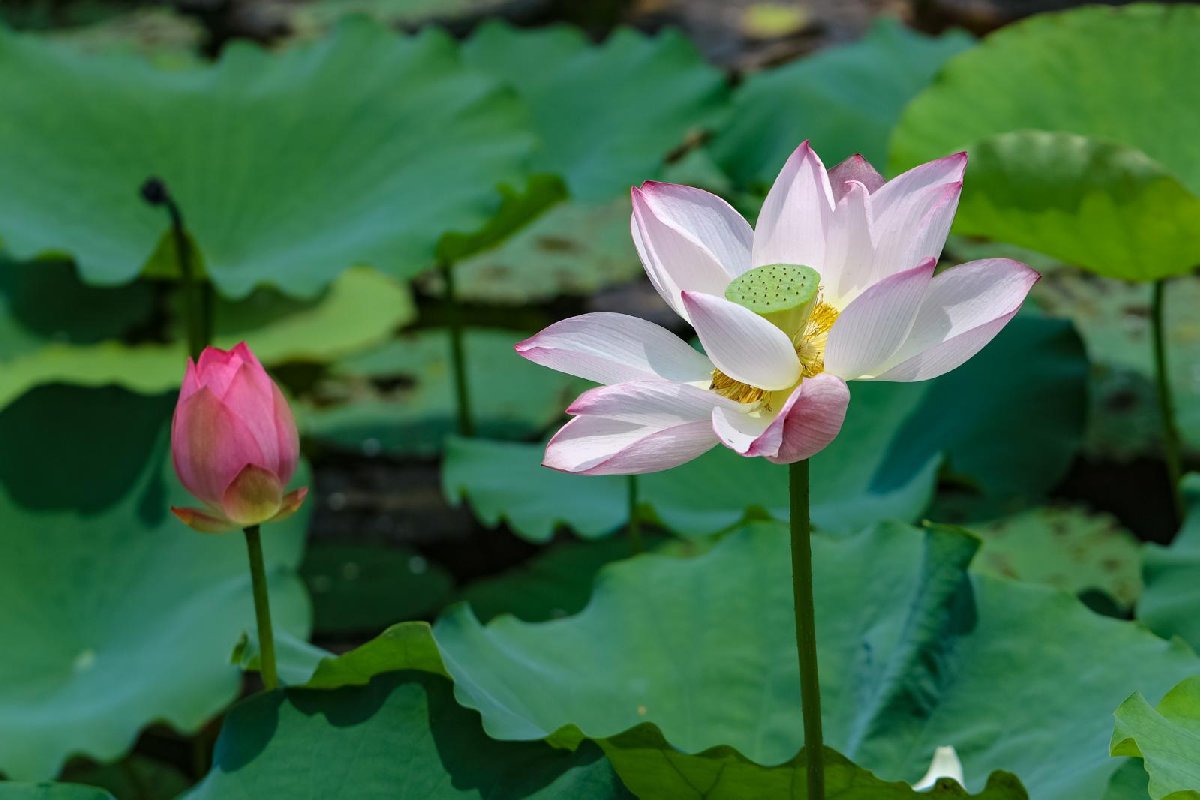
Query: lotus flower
pixel 835 283
pixel 234 443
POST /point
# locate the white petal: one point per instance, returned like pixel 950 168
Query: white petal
pixel 614 348
pixel 660 403
pixel 688 240
pixel 795 216
pixel 854 168
pixel 603 446
pixel 874 325
pixel 742 344
pixel 945 764
pixel 963 309
pixel 850 253
pixel 739 431
pixel 913 212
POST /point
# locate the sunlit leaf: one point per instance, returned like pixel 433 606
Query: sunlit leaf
pixel 1166 738
pixel 1121 197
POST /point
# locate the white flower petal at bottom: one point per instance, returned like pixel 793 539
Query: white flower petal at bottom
pixel 604 446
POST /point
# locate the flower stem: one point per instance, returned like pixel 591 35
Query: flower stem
pixel 197 300
pixel 1166 405
pixel 262 609
pixel 458 356
pixel 635 526
pixel 806 630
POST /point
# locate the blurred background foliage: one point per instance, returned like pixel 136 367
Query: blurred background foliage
pixel 333 158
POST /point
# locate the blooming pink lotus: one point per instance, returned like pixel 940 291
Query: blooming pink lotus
pixel 835 283
pixel 234 443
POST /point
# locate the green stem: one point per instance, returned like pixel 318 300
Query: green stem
pixel 197 298
pixel 1166 406
pixel 262 609
pixel 458 356
pixel 806 629
pixel 635 526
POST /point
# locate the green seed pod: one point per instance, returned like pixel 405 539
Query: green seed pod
pixel 783 294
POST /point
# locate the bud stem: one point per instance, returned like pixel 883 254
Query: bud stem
pixel 262 609
pixel 806 630
pixel 458 356
pixel 197 304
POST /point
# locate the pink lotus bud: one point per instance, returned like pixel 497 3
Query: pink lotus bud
pixel 234 443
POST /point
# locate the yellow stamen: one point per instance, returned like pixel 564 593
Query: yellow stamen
pixel 737 391
pixel 810 342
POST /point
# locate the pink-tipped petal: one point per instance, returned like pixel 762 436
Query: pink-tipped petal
pixel 287 436
pixel 291 504
pixel 202 521
pixel 614 348
pixel 742 344
pixel 210 445
pixel 216 369
pixel 252 401
pixel 854 168
pixel 253 497
pixel 913 211
pixel 590 445
pixel 792 225
pixel 850 249
pixel 875 324
pixel 243 351
pixel 657 403
pixel 688 239
pixel 191 381
pixel 810 420
pixel 963 309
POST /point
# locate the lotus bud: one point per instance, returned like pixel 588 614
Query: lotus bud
pixel 234 443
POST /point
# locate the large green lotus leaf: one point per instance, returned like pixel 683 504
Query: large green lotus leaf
pixel 1104 206
pixel 368 587
pixel 1058 73
pixel 609 114
pixel 401 737
pixel 1065 547
pixel 116 614
pixel 913 656
pixel 1113 318
pixel 55 329
pixel 399 398
pixel 1166 739
pixel 845 100
pixel 282 178
pixel 1030 382
pixel 1169 602
pixel 51 791
pixel 573 249
pixel 650 767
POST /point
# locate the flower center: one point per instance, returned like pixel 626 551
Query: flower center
pixel 789 297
